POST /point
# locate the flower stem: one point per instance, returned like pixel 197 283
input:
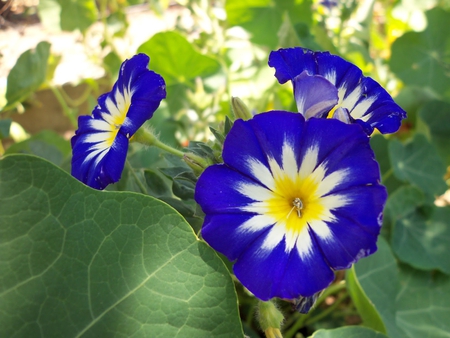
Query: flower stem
pixel 327 311
pixel 387 174
pixel 67 111
pixel 303 319
pixel 145 137
pixel 138 181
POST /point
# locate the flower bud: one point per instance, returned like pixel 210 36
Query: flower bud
pixel 270 319
pixel 240 110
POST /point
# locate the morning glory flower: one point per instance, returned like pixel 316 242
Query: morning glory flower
pixel 100 144
pixel 293 201
pixel 338 88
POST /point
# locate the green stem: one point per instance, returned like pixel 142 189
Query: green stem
pixel 147 138
pixel 333 289
pixel 387 174
pixel 327 311
pixel 136 178
pixel 2 150
pixel 78 101
pixel 65 107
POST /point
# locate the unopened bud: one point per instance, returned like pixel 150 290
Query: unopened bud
pixel 270 319
pixel 240 110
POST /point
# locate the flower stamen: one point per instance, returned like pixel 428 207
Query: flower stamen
pixel 298 205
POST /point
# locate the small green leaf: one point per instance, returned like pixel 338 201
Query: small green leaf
pixel 172 56
pixel 49 12
pixel 156 184
pixel 348 332
pixel 27 75
pixel 259 17
pixel 379 145
pixel 423 240
pixel 77 262
pixel 4 128
pixel 371 318
pixel 425 64
pixel 218 135
pixel 418 163
pixel 80 14
pixel 46 144
pixel 423 304
pixel 436 115
pixel 378 277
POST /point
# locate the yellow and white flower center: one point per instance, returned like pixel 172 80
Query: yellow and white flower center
pixel 292 199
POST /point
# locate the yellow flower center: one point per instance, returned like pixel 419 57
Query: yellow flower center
pixel 295 202
pixel 118 114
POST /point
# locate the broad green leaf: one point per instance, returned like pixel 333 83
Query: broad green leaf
pixel 436 115
pixel 418 163
pixel 46 144
pixel 172 56
pixel 378 277
pixel 371 318
pixel 404 202
pixel 78 14
pixel 423 304
pixel 27 75
pixel 422 58
pixel 348 332
pixel 422 240
pixel 76 262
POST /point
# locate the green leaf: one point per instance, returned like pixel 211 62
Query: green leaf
pixel 371 318
pixel 46 144
pixel 156 184
pixel 79 14
pixel 422 240
pixel 259 17
pixel 49 12
pixel 4 128
pixel 379 145
pixel 418 163
pixel 27 74
pixel 263 18
pixel 423 58
pixel 423 304
pixel 403 202
pixel 80 262
pixel 172 56
pixel 436 115
pixel 378 277
pixel 348 332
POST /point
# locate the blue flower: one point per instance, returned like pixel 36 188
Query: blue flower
pixel 349 96
pixel 293 201
pixel 101 142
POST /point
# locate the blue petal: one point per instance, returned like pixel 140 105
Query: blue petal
pixel 104 168
pixel 289 63
pixel 315 96
pixel 260 138
pixel 134 98
pixel 216 190
pixel 218 227
pixel 367 102
pixel 278 274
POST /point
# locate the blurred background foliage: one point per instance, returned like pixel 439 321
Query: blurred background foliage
pixel 211 51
